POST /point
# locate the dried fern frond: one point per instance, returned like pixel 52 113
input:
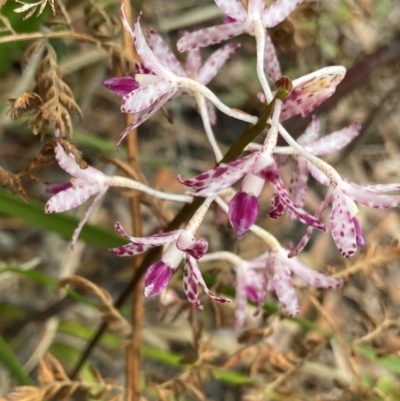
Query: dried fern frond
pixel 55 383
pixel 373 257
pixel 13 182
pixel 51 99
pixel 31 8
pixel 111 315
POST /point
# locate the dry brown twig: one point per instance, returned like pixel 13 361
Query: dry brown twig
pixel 55 383
pixel 111 315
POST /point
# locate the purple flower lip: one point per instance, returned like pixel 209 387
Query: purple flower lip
pixel 243 212
pixel 121 86
pixel 156 279
pixel 56 188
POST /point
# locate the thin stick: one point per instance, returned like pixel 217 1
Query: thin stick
pixel 134 347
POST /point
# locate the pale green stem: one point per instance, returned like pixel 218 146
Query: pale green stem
pixel 124 182
pixel 201 104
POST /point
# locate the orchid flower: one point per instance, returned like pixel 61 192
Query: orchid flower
pixel 253 21
pixel 345 226
pixel 161 84
pixel 88 182
pixel 310 91
pixel 276 274
pixel 248 283
pixel 257 168
pixel 322 146
pixel 180 244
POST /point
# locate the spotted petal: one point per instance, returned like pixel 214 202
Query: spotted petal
pixel 220 177
pixel 198 249
pixel 278 11
pixel 298 183
pixel 284 289
pixel 271 63
pixel 193 63
pixel 163 52
pixel 213 64
pixel 311 276
pixel 334 141
pixel 311 133
pixel 142 116
pixel 210 36
pixel 232 8
pixel 302 215
pixel 307 235
pixel 369 197
pixel 68 163
pixel 71 198
pixel 144 97
pixel 192 278
pixel 342 226
pixel 141 244
pixel 148 57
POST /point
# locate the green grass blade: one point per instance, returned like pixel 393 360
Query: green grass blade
pixel 10 361
pixel 61 223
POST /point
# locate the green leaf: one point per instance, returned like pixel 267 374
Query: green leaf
pixel 61 223
pixel 10 361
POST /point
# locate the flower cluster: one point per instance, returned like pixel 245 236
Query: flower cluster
pixel 159 78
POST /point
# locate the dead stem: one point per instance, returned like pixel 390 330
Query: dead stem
pixel 345 346
pixel 134 347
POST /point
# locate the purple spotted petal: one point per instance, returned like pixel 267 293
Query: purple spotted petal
pixel 85 217
pixel 302 215
pixel 164 54
pixel 195 276
pixel 69 164
pixel 211 112
pixel 121 86
pixel 140 68
pixel 142 116
pixel 342 225
pixel 141 244
pixel 382 187
pixel 307 235
pixel 370 198
pixel 318 174
pixel 220 177
pixel 56 188
pixel 277 207
pixel 241 298
pixel 311 276
pixel 243 212
pixel 71 198
pixel 335 141
pixel 311 133
pixel 144 97
pixel 271 63
pixel 198 249
pixel 213 64
pixel 210 36
pixel 256 9
pixel 298 183
pixel 156 279
pixel 310 91
pixel 148 57
pixel 193 63
pixel 284 289
pixel 232 8
pixel 278 11
pixel 191 287
pixel 360 239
